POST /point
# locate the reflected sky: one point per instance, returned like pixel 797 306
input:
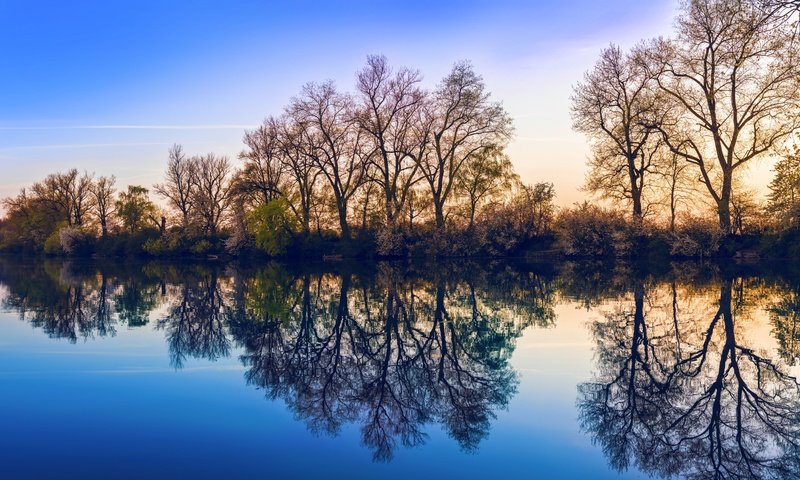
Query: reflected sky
pixel 534 371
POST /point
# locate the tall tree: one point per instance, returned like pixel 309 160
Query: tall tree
pixel 617 107
pixel 388 102
pixel 213 192
pixel 179 184
pixel 334 142
pixel 103 193
pixel 734 71
pixel 462 121
pixel 264 172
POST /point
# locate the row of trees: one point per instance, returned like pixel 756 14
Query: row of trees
pixel 382 161
pixel 675 117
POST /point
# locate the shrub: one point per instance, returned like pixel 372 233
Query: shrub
pixel 696 237
pixel 587 230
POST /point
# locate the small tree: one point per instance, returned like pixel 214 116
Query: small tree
pixel 272 225
pixel 135 209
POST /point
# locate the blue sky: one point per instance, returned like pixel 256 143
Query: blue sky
pixel 108 86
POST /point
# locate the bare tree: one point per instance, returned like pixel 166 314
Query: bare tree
pixel 333 142
pixel 212 194
pixel 293 141
pixel 179 184
pixel 264 172
pixel 67 193
pixel 463 122
pixel 388 104
pixel 734 71
pixel 104 192
pixel 617 107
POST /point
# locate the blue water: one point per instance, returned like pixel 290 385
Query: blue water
pixel 126 401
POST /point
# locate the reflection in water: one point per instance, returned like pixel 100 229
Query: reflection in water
pixel 388 350
pixel 685 389
pixel 692 373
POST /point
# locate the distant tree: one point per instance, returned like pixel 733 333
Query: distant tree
pixel 617 107
pixel 179 184
pixel 734 72
pixel 103 193
pixel 784 197
pixel 135 209
pixel 462 121
pixel 67 194
pixel 212 193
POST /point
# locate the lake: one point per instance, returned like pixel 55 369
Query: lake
pixel 460 369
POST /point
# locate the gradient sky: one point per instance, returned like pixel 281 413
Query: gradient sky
pixel 109 86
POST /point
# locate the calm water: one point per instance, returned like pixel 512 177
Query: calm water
pixel 452 370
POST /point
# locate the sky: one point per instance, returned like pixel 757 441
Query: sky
pixel 107 87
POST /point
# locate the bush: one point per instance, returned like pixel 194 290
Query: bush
pixel 76 241
pixel 696 237
pixel 587 230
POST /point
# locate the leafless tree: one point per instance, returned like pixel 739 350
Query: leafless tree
pixel 734 71
pixel 212 194
pixel 462 121
pixel 333 142
pixel 104 192
pixel 264 171
pixel 179 184
pixel 388 105
pixel 617 107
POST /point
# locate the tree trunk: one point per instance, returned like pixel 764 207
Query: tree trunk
pixel 724 203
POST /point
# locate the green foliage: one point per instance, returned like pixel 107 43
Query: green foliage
pixel 784 198
pixel 273 226
pixel 134 208
pixel 202 247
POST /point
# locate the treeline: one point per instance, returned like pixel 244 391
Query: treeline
pixel 389 169
pixel 395 169
pixel 675 122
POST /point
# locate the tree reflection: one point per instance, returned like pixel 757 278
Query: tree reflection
pixel 195 324
pixel 391 354
pixel 680 390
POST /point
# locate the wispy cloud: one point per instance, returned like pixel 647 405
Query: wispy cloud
pixel 82 145
pixel 130 127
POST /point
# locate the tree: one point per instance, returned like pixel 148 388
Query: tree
pixel 734 72
pixel 67 194
pixel 212 193
pixel 179 184
pixel 333 142
pixel 617 107
pixel 388 105
pixel 488 175
pixel 264 172
pixel 294 141
pixel 272 226
pixel 462 121
pixel 784 197
pixel 103 193
pixel 135 209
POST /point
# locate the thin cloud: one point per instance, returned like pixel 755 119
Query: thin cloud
pixel 82 145
pixel 131 127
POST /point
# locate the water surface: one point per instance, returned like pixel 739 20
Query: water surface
pixel 391 370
